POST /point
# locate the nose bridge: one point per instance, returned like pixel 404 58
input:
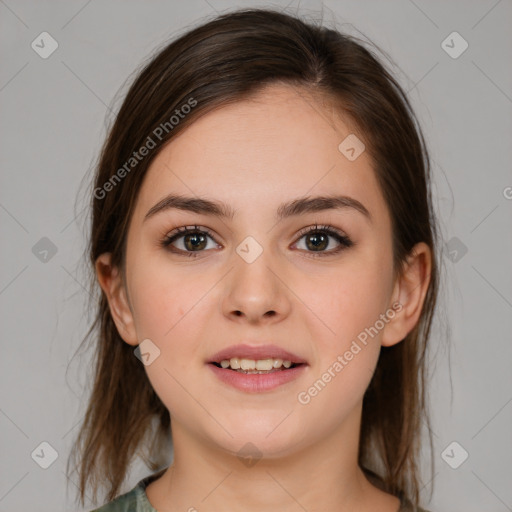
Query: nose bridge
pixel 254 288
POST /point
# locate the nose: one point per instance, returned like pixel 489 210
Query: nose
pixel 256 292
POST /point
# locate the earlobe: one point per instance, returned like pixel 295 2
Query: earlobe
pixel 110 280
pixel 409 292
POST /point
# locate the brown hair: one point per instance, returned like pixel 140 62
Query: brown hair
pixel 223 61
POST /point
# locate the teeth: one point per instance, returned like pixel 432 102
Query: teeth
pixel 236 363
pixel 265 364
pixel 247 364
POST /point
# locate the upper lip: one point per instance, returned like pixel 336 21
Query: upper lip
pixel 244 351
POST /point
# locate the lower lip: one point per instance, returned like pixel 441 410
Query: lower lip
pixel 257 382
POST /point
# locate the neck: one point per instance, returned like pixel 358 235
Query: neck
pixel 324 475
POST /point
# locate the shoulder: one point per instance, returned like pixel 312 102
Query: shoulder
pixel 129 502
pixel 135 500
pixel 405 504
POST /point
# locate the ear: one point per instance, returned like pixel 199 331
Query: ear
pixel 408 295
pixel 111 283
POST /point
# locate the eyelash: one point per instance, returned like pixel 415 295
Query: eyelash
pixel 344 241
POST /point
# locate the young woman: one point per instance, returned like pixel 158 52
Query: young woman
pixel 263 235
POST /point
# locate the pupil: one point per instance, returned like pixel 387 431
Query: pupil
pixel 317 242
pixel 194 239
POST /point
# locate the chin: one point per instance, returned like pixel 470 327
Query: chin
pixel 249 441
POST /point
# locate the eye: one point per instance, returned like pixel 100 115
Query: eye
pixel 317 240
pixel 192 240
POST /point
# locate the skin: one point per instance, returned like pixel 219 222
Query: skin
pixel 254 155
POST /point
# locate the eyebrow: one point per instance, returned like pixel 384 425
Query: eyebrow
pixel 222 210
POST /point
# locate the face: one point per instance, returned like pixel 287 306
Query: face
pixel 257 279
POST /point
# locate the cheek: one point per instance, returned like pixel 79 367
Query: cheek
pixel 171 309
pixel 163 296
pixel 350 303
pixel 333 393
pixel 346 302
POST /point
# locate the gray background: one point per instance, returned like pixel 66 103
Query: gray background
pixel 53 122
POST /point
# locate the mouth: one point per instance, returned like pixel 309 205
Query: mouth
pixel 256 368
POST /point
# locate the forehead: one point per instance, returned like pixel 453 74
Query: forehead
pixel 281 143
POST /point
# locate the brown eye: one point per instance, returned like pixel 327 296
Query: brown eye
pixel 194 241
pixel 188 241
pixel 318 239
